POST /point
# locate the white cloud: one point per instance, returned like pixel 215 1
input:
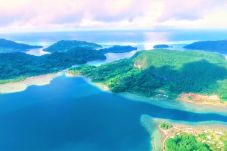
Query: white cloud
pixel 30 15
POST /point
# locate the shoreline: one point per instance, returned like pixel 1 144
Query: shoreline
pixel 177 104
pixel 159 136
pixel 184 104
pixel 172 104
pixel 195 130
pixel 202 100
pixel 41 80
pixel 19 86
pixel 98 85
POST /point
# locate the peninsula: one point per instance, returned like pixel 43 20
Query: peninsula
pixel 211 46
pixel 205 137
pixel 18 66
pixel 69 45
pixel 165 73
pixel 8 46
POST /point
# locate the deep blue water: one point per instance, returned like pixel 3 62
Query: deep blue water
pixel 70 114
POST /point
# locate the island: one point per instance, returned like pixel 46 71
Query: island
pixel 66 45
pixel 160 73
pixel 204 137
pixel 8 46
pixel 69 45
pixel 161 46
pixel 118 49
pixel 212 46
pixel 19 66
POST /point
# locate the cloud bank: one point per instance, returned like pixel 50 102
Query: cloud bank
pixel 49 15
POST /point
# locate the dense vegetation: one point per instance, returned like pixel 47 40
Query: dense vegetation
pixel 212 140
pixel 16 66
pixel 165 125
pixel 161 46
pixel 185 142
pixel 163 72
pixel 65 53
pixel 118 49
pixel 66 45
pixel 213 46
pixel 7 46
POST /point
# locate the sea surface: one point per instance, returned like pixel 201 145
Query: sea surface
pixel 70 114
pixel 143 39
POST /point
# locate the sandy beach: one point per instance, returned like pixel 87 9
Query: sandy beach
pixel 202 100
pixel 99 85
pixel 13 87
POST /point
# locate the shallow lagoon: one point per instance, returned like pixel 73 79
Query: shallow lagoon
pixel 70 114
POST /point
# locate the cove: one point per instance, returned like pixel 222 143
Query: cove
pixel 70 114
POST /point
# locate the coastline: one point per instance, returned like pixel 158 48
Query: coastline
pixel 189 129
pixel 41 80
pixel 98 85
pixel 150 126
pixel 19 86
pixel 159 136
pixel 202 100
pixel 203 107
pixel 179 103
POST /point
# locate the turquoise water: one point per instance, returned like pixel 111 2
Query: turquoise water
pixel 70 114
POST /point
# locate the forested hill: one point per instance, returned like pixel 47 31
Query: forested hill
pixel 212 46
pixel 7 46
pixel 161 46
pixel 17 66
pixel 118 49
pixel 165 72
pixel 69 45
pixel 64 54
pixel 66 45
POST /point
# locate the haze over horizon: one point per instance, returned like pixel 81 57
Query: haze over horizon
pixel 67 15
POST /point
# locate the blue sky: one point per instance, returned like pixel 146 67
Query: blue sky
pixel 62 15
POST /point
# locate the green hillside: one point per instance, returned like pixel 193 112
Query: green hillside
pixel 69 45
pixel 163 72
pixel 219 46
pixel 17 66
pixel 8 46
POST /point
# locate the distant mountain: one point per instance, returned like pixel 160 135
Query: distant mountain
pixel 162 46
pixel 212 46
pixel 66 45
pixel 118 49
pixel 7 46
